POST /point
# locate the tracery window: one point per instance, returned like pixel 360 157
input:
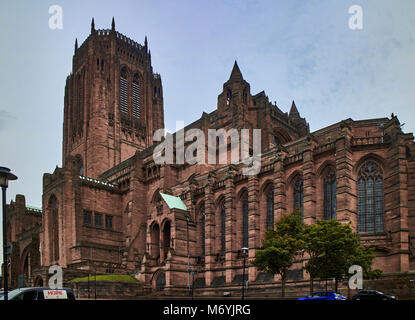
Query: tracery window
pixel 370 198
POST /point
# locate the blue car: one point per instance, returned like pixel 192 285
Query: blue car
pixel 324 295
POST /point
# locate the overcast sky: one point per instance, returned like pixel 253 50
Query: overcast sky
pixel 294 50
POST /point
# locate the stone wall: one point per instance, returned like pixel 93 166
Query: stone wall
pixel 107 289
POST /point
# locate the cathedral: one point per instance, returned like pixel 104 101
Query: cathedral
pixel 111 208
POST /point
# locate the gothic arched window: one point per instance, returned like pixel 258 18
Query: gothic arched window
pixel 370 198
pixel 330 195
pixel 223 227
pixel 298 194
pixel 155 241
pixel 136 97
pixel 123 95
pixel 245 233
pixel 270 208
pixel 245 96
pixel 166 238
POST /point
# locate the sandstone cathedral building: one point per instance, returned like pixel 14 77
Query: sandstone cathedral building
pixel 111 208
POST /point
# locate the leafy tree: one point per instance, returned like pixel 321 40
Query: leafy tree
pixel 280 247
pixel 332 248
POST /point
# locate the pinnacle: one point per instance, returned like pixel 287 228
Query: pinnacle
pixel 294 110
pixel 236 74
pixel 92 25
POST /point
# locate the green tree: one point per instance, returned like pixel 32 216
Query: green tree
pixel 332 249
pixel 280 247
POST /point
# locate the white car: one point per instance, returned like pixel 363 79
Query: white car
pixel 39 293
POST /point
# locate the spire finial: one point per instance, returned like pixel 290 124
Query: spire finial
pixel 92 25
pixel 113 24
pixel 236 73
pixel 294 111
pixel 145 42
pixel 76 44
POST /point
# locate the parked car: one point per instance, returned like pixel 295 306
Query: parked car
pixel 324 295
pixel 372 295
pixel 39 293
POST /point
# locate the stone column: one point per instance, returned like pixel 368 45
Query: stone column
pixel 209 231
pixel 231 236
pixel 398 205
pixel 280 201
pixel 346 199
pixel 254 240
pixel 309 186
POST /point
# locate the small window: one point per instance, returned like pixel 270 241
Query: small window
pixel 98 219
pixel 108 222
pixel 228 96
pixel 87 217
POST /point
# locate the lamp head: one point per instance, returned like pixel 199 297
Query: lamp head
pixel 5 176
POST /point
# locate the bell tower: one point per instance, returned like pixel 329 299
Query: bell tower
pixel 113 101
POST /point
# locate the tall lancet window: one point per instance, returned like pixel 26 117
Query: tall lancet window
pixel 370 198
pixel 136 97
pixel 123 100
pixel 298 194
pixel 330 195
pixel 270 207
pixel 223 227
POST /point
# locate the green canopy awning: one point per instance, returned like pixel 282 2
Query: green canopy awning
pixel 173 202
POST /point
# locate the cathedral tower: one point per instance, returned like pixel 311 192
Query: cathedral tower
pixel 113 101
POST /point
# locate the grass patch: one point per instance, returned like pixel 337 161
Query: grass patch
pixel 107 277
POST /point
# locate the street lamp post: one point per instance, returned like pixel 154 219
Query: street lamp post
pixel 244 251
pixel 5 176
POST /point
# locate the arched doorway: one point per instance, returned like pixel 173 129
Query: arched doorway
pixel 160 281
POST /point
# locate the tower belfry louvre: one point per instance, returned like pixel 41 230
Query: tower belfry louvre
pixel 111 208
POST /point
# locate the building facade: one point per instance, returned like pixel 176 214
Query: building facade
pixel 105 209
